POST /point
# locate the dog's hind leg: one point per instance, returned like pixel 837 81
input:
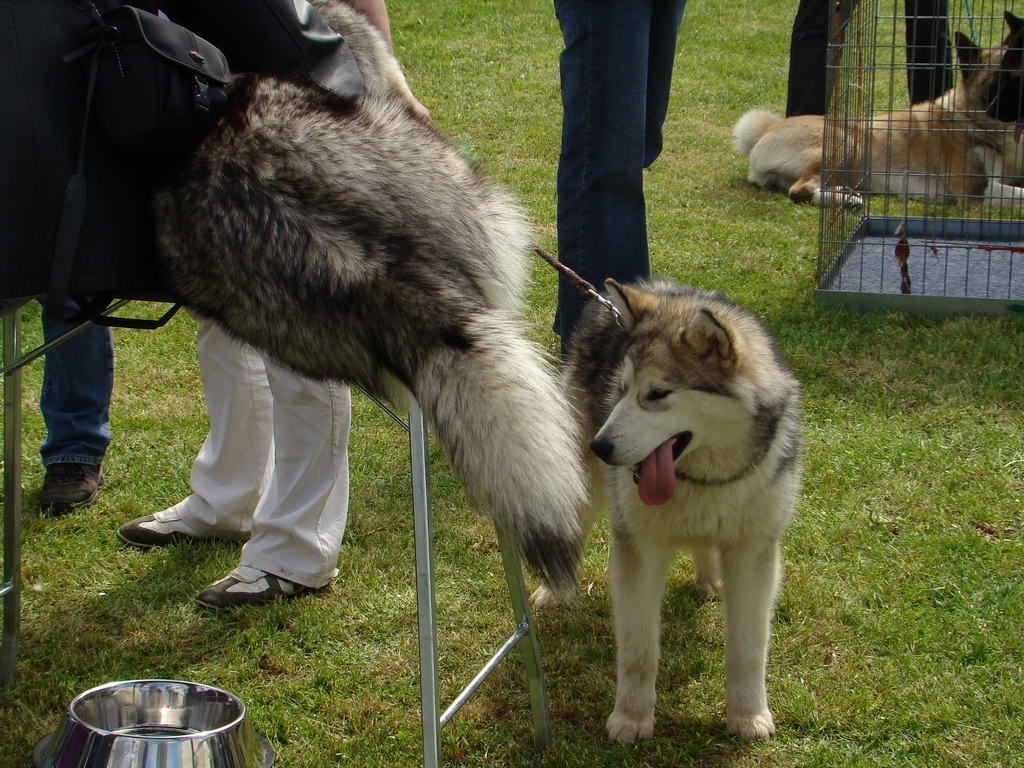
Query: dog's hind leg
pixel 807 188
pixel 997 193
pixel 750 578
pixel 548 594
pixel 638 571
pixel 706 572
pixel 551 593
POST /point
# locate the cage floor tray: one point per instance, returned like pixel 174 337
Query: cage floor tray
pixel 935 268
pixel 943 275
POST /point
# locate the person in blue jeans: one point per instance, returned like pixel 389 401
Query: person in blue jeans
pixel 78 379
pixel 616 73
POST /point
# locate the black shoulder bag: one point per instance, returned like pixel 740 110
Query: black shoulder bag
pixel 153 87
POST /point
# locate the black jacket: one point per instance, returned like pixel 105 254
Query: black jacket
pixel 43 115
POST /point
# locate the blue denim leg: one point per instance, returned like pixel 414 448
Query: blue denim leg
pixel 78 378
pixel 616 73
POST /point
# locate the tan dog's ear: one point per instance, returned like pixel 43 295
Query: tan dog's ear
pixel 709 341
pixel 967 54
pixel 631 302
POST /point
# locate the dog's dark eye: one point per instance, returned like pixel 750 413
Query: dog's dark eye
pixel 658 394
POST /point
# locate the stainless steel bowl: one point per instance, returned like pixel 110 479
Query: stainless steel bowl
pixel 154 724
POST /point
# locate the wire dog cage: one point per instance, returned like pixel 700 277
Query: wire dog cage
pixel 927 250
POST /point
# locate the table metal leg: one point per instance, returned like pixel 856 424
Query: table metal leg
pixel 10 589
pixel 528 644
pixel 525 635
pixel 424 538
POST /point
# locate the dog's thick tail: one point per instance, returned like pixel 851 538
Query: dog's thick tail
pixel 510 436
pixel 751 127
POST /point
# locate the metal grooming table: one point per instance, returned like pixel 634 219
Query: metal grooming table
pixel 433 719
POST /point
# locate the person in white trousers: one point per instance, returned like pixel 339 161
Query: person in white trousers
pixel 273 471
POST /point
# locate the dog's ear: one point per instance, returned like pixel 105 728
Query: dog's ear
pixel 967 53
pixel 632 303
pixel 1016 27
pixel 707 339
pixel 1012 62
pixel 1013 59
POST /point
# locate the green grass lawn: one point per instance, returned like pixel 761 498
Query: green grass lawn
pixel 898 635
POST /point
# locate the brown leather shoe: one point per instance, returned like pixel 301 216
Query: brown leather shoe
pixel 69 486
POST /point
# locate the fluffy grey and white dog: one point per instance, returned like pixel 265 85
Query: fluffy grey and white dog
pixel 351 241
pixel 692 428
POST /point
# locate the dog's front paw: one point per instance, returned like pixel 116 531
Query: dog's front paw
pixel 757 726
pixel 852 200
pixel 544 596
pixel 839 197
pixel 626 729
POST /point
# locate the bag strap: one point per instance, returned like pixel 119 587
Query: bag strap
pixel 72 214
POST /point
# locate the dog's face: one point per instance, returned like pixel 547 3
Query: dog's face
pixel 675 389
pixel 994 79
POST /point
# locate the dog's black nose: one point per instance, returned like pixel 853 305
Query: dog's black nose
pixel 602 448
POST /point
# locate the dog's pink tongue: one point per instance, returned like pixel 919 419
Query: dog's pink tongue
pixel 658 475
pixel 1018 128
